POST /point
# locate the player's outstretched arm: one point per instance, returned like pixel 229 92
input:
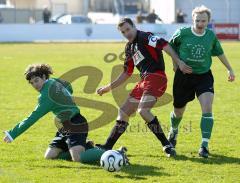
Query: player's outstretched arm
pixel 224 60
pixel 42 108
pixel 176 61
pixel 120 80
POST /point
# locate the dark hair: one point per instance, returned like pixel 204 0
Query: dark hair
pixel 38 70
pixel 125 20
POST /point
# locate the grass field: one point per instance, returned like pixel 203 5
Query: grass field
pixel 22 160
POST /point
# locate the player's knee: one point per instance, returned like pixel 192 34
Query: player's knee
pixel 206 106
pixel 46 156
pixel 207 109
pixel 51 153
pixel 143 112
pixel 76 158
pixel 75 153
pixel 178 112
pixel 122 115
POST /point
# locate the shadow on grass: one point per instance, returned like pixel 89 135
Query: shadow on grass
pixel 212 159
pixel 144 155
pixel 133 171
pixel 89 166
pixel 139 172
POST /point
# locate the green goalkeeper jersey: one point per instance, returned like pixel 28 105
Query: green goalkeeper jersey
pixel 196 50
pixel 55 96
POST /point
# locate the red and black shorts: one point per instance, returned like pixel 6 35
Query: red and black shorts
pixel 154 84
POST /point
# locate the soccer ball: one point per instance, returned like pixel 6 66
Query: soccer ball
pixel 111 161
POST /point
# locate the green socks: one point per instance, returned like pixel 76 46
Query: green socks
pixel 65 156
pixel 91 156
pixel 206 128
pixel 174 122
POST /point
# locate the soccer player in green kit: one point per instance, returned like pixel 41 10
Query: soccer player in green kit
pixel 56 96
pixel 195 46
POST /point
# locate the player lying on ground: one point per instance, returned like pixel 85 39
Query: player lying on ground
pixel 56 96
pixel 195 46
pixel 144 50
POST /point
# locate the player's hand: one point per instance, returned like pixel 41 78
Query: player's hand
pixel 185 68
pixel 231 76
pixel 103 90
pixel 7 139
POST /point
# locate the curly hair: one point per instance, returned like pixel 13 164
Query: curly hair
pixel 38 70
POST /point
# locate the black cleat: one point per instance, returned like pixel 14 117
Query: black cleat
pixel 100 146
pixel 123 151
pixel 169 151
pixel 89 144
pixel 203 152
pixel 172 137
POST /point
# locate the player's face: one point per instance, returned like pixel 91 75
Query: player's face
pixel 37 82
pixel 200 21
pixel 128 31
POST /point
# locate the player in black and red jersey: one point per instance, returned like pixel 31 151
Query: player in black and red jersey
pixel 144 50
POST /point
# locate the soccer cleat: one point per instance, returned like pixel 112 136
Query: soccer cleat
pixel 123 150
pixel 169 151
pixel 172 137
pixel 203 152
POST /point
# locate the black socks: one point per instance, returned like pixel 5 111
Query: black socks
pixel 155 127
pixel 119 128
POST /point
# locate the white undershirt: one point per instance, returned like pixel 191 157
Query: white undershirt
pixel 196 34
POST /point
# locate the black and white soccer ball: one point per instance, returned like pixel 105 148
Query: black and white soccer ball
pixel 112 160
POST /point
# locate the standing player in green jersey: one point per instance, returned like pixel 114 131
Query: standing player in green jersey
pixel 195 46
pixel 56 96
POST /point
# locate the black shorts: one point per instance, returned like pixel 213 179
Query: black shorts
pixel 186 86
pixel 66 140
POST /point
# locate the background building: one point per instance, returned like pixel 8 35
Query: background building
pixel 20 11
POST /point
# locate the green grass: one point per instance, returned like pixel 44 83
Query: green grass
pixel 22 160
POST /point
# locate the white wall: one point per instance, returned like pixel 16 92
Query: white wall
pixel 75 32
pixel 165 10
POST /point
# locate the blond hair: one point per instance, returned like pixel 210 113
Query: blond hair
pixel 202 9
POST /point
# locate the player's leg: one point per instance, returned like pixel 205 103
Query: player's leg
pixel 52 152
pixel 76 140
pixel 183 92
pixel 144 109
pixel 80 154
pixel 175 119
pixel 206 101
pixel 75 152
pixel 205 94
pixel 58 148
pixel 80 149
pixel 125 111
pixel 93 155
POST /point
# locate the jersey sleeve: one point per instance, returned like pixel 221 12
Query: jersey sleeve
pixel 154 41
pixel 128 64
pixel 175 41
pixel 43 107
pixel 217 48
